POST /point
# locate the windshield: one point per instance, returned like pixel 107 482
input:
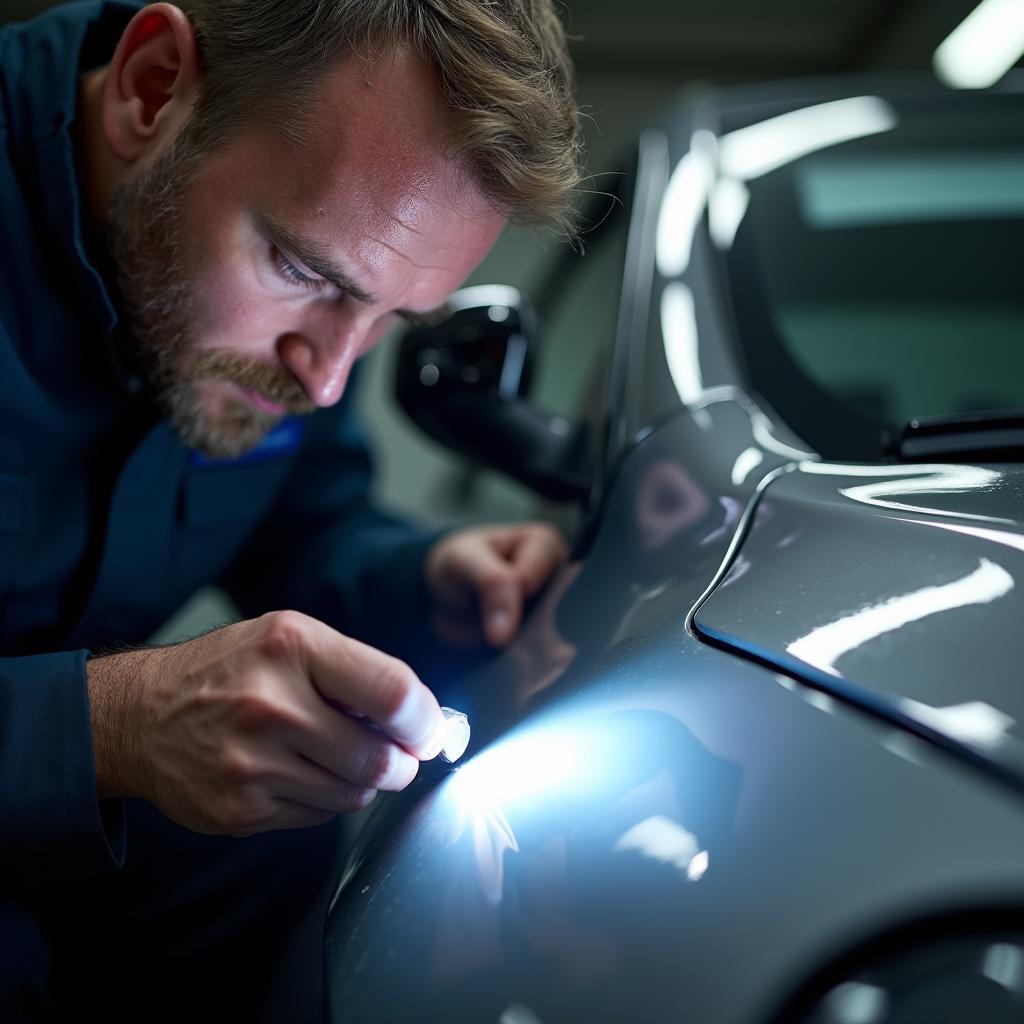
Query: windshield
pixel 880 280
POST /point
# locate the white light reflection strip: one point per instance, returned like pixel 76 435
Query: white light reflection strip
pixel 762 428
pixel 726 210
pixel 746 462
pixel 679 333
pixel 975 722
pixel 1004 537
pixel 824 646
pixel 918 480
pixel 683 204
pixel 715 170
pixel 983 47
pixel 751 152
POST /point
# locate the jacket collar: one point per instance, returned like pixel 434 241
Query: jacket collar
pixel 43 60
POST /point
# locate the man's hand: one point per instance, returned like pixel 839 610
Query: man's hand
pixel 482 577
pixel 277 722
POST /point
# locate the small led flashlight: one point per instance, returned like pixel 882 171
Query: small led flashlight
pixel 456 735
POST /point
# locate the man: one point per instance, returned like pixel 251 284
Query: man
pixel 209 213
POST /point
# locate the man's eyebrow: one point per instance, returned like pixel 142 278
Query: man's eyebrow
pixel 312 255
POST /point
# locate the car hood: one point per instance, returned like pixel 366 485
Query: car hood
pixel 897 588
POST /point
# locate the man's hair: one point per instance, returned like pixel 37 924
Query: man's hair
pixel 503 66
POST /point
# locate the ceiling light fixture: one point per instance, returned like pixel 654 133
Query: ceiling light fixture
pixel 983 47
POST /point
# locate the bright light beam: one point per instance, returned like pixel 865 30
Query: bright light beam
pixel 983 47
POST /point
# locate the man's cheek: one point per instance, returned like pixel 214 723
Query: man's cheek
pixel 233 309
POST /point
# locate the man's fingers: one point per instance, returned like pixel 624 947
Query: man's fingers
pixel 498 588
pixel 501 566
pixel 307 784
pixel 371 683
pixel 361 756
pixel 539 551
pixel 508 567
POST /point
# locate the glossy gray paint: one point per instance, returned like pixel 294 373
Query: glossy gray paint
pixel 649 828
pixel 896 587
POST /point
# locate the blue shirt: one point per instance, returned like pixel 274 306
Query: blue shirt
pixel 107 523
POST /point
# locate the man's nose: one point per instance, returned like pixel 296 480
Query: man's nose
pixel 320 354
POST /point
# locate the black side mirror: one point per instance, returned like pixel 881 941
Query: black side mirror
pixel 464 382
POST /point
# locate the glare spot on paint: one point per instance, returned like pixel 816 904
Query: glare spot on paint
pixel 666 841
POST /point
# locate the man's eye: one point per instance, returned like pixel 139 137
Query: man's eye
pixel 293 275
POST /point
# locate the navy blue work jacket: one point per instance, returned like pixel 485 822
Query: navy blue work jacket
pixel 107 523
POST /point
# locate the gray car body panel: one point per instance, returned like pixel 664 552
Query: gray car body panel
pixel 901 582
pixel 640 813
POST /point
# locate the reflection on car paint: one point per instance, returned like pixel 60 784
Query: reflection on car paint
pixel 713 171
pixel 825 645
pixel 519 1014
pixel 919 480
pixel 667 842
pixel 682 204
pixel 836 604
pixel 1010 540
pixel 727 206
pixel 855 1002
pixel 1004 964
pixel 733 509
pixel 757 149
pixel 975 722
pixel 668 501
pixel 664 799
pixel 746 462
pixel 717 168
pixel 764 434
pixel 682 350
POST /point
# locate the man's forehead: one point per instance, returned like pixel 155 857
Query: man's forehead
pixel 370 122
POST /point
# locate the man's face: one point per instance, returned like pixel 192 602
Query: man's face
pixel 254 276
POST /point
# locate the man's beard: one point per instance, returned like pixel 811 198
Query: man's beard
pixel 162 309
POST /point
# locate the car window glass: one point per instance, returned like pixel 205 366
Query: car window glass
pixel 884 272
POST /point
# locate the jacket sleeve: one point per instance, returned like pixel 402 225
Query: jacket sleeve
pixel 52 824
pixel 326 550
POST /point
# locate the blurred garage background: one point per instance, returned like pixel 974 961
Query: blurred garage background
pixel 630 57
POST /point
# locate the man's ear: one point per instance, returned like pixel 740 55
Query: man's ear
pixel 152 82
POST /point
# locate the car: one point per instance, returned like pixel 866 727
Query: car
pixel 757 753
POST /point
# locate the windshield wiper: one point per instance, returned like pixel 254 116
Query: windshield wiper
pixel 987 436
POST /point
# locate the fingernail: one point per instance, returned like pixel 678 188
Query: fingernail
pixel 499 621
pixel 437 741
